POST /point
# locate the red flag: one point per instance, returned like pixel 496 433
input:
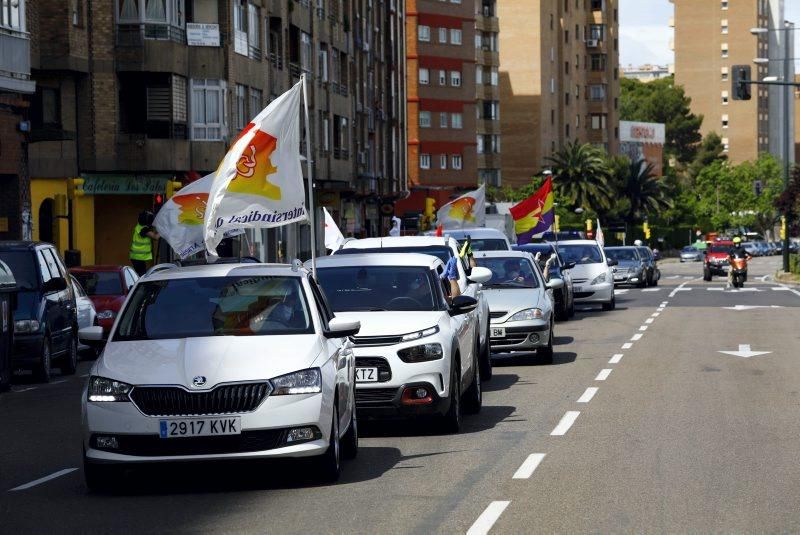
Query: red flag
pixel 440 229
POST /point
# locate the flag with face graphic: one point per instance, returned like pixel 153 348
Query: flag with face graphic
pixel 469 210
pixel 259 183
pixel 535 214
pixel 180 220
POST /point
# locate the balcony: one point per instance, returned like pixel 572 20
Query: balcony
pixel 144 154
pixel 489 57
pixel 15 62
pixel 487 24
pixel 153 48
pixel 488 126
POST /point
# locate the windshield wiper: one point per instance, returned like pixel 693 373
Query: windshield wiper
pixel 365 309
pixel 508 284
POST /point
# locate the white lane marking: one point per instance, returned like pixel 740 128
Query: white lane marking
pixel 615 359
pixel 588 395
pixel 603 375
pixel 45 479
pixel 688 278
pixel 747 290
pixel 627 345
pixel 621 292
pixel 660 309
pixel 525 471
pixel 674 277
pixel 763 278
pixel 745 351
pixel 678 289
pixel 649 320
pixel 643 328
pixel 488 517
pixel 651 289
pixel 566 422
pixel 85 375
pixel 716 289
pixel 664 303
pixel 636 337
pixel 58 382
pixel 24 389
pixel 655 314
pixel 781 289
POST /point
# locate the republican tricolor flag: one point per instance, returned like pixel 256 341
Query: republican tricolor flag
pixel 535 214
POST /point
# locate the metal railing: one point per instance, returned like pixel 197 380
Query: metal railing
pixel 135 34
pixel 15 58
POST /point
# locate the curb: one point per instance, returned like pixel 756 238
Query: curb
pixel 787 278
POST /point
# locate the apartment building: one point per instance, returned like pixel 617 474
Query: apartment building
pixel 710 38
pixel 559 80
pixel 646 73
pixel 133 93
pixel 487 86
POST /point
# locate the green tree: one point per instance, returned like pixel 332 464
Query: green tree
pixel 709 151
pixel 643 190
pixel 580 176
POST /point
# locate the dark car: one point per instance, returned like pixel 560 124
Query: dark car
pixel 564 298
pixel 630 268
pixel 8 296
pixel 45 318
pixel 107 287
pixel 651 266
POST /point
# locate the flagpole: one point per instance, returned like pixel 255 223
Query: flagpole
pixel 309 172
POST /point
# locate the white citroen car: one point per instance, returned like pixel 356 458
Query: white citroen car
pixel 592 277
pixel 216 362
pixel 417 351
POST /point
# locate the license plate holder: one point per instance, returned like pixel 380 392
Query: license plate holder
pixel 366 375
pixel 498 332
pixel 199 427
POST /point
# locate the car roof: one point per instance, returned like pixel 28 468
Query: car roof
pixel 621 247
pixel 388 259
pixel 538 245
pixel 476 232
pixel 502 254
pixel 107 267
pixel 399 241
pixel 22 245
pixel 578 242
pixel 225 270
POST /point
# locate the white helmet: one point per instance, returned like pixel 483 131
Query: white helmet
pixel 638 243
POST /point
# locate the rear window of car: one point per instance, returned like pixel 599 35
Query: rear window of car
pixel 215 306
pixel 718 248
pixel 581 254
pixel 100 282
pixel 442 252
pixel 379 288
pixel 23 266
pixel 487 244
pixel 622 254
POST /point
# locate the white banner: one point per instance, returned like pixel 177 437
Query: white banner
pixel 333 236
pixel 469 210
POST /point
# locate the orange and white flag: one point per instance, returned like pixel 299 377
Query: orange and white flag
pixel 259 183
pixel 469 210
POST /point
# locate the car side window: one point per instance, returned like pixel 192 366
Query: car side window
pixel 51 263
pixel 61 267
pixel 129 280
pixel 43 269
pixel 76 287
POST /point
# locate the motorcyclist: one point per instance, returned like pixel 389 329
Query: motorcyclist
pixel 736 252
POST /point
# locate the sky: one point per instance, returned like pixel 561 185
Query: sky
pixel 645 33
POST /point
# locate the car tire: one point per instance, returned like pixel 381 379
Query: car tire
pixel 562 313
pixel 485 358
pixel 99 477
pixel 473 397
pixel 70 364
pixel 42 370
pixel 330 463
pixel 452 418
pixel 611 305
pixel 350 439
pixel 545 354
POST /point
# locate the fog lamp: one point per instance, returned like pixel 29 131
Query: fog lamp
pixel 107 443
pixel 300 434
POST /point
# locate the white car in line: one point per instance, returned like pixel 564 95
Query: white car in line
pixel 417 351
pixel 219 362
pixel 592 277
pixel 84 308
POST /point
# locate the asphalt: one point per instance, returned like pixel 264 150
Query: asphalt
pixel 678 437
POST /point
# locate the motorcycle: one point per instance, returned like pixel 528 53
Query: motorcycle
pixel 738 272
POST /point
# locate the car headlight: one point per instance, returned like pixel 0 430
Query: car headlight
pixel 421 353
pixel 106 315
pixel 527 314
pixel 303 382
pixel 26 326
pixel 420 334
pixel 102 389
pixel 599 279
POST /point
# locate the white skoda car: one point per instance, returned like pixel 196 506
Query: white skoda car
pixel 417 352
pixel 225 361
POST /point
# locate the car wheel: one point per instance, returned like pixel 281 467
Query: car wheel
pixel 546 353
pixel 330 465
pixel 99 477
pixel 452 418
pixel 473 397
pixel 42 370
pixel 485 358
pixel 611 305
pixel 350 439
pixel 71 358
pixel 561 312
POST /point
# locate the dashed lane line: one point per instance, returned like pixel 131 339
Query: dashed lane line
pixel 525 471
pixel 603 375
pixel 651 289
pixel 627 345
pixel 588 394
pixel 649 320
pixel 615 359
pixel 566 422
pixel 655 314
pixel 643 328
pixel 781 289
pixel 636 337
pixel 488 517
pixel 45 479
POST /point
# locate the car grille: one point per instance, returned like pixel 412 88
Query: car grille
pixel 375 397
pixel 366 341
pixel 155 446
pixel 497 314
pixel 510 339
pixel 176 401
pixel 579 295
pixel 384 370
pixel 579 281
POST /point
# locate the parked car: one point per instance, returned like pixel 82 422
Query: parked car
pixel 652 272
pixel 564 296
pixel 418 349
pixel 482 238
pixel 691 254
pixel 443 248
pixel 45 318
pixel 107 287
pixel 521 303
pixel 185 375
pixel 630 268
pixel 87 315
pixel 592 278
pixel 716 259
pixel 8 297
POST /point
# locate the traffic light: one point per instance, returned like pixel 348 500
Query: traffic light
pixel 557 223
pixel 646 229
pixel 172 187
pixel 783 227
pixel 589 233
pixel 75 188
pixel 430 207
pixel 740 82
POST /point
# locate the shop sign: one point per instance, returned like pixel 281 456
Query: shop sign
pixel 202 34
pixel 124 184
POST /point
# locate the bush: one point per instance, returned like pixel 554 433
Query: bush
pixel 794 264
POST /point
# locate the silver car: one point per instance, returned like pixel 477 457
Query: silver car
pixel 691 254
pixel 520 303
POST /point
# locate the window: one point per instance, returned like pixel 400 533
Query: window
pixel 341 138
pixel 724 98
pixel 156 19
pixel 479 144
pixel 424 161
pixel 325 128
pixel 46 276
pixel 424 77
pixel 598 62
pixel 566 67
pixel 597 32
pixel 724 26
pixel 566 36
pixel 255 102
pixel 478 39
pixel 724 50
pixel 424 33
pixel 479 74
pixel 455 78
pixel 208 110
pixel 443 120
pixel 442 78
pixel 443 161
pixel 724 5
pixel 456 120
pixel 12 14
pixel 597 92
pixel 725 144
pixel 566 130
pixel 495 76
pixel 455 37
pixel 491 109
pixel 77 13
pixel 305 52
pixel 322 61
pixel 240 111
pixel 724 74
pixel 443 35
pixel 566 98
pixel 598 121
pixel 725 121
pixel 425 119
pixel 455 161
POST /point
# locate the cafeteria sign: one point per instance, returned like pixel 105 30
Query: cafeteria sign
pixel 125 184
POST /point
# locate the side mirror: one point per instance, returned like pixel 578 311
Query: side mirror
pixel 91 334
pixel 569 265
pixel 463 304
pixel 555 284
pixel 611 262
pixel 56 284
pixel 480 275
pixel 340 328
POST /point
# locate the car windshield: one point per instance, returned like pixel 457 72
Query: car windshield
pixel 442 252
pixel 509 272
pixel 645 253
pixel 100 282
pixel 622 254
pixel 581 254
pixel 22 267
pixel 689 250
pixel 215 306
pixel 719 248
pixel 378 288
pixel 488 244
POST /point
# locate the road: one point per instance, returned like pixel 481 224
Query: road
pixel 640 425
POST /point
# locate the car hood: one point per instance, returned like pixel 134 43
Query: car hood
pixel 107 302
pixel 513 300
pixel 392 323
pixel 219 359
pixel 589 271
pixel 717 255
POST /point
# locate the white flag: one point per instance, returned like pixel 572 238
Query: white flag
pixel 395 230
pixel 180 220
pixel 333 236
pixel 259 183
pixel 601 239
pixel 469 210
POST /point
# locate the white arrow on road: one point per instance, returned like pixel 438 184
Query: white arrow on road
pixel 745 352
pixel 750 307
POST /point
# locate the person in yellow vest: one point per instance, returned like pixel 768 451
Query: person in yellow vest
pixel 141 244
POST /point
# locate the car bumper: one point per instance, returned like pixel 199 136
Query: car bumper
pixel 595 293
pixel 718 269
pixel 389 402
pixel 520 335
pixel 27 349
pixel 621 279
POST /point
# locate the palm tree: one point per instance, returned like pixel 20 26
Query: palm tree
pixel 644 190
pixel 580 175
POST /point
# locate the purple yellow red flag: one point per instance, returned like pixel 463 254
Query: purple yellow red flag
pixel 469 210
pixel 259 182
pixel 535 214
